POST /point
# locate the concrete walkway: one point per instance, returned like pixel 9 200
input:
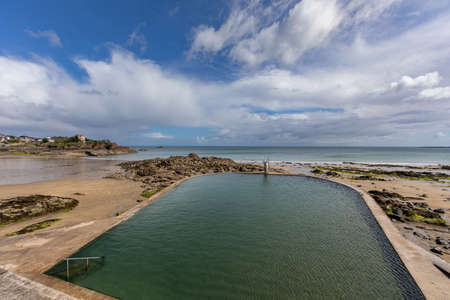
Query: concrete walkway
pixel 13 286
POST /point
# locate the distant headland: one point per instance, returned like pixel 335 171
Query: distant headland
pixel 58 146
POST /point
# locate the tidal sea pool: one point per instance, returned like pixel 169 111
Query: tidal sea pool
pixel 241 236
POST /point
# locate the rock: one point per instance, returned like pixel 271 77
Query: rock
pixel 421 204
pixel 408 228
pixel 161 172
pixel 440 241
pixel 90 153
pixel 366 177
pixel 385 194
pixel 331 173
pixel 421 235
pixel 17 208
pixel 439 210
pixel 436 250
pixel 397 211
pixel 397 218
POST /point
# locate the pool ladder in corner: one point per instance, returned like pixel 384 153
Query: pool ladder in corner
pixel 87 258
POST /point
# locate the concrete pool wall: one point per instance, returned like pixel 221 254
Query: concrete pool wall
pixel 433 283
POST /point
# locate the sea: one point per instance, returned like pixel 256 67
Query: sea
pixel 18 171
pixel 371 155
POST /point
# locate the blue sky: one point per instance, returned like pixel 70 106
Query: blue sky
pixel 285 72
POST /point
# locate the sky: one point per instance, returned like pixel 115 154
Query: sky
pixel 249 73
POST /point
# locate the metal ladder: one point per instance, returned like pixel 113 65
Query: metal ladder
pixel 68 259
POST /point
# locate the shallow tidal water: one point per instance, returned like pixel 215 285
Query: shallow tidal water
pixel 238 236
pixel 27 170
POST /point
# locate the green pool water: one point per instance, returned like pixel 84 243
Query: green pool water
pixel 237 236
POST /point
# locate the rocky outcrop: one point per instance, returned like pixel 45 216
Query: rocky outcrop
pixel 400 208
pixel 20 208
pixel 159 173
pixel 410 175
pixel 63 146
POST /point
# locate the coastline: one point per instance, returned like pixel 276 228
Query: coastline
pixel 49 246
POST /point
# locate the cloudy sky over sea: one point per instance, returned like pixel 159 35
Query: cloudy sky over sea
pixel 284 72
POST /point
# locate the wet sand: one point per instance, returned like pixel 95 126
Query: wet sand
pixel 31 254
pixel 15 170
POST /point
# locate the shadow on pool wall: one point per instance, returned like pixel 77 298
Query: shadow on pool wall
pixel 175 209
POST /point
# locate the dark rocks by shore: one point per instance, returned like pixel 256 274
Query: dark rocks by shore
pixel 20 208
pixel 400 208
pixel 373 172
pixel 159 173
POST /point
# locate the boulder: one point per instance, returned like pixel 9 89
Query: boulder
pixel 421 235
pixel 437 250
pixel 18 208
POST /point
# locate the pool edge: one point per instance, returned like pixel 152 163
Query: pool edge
pixel 432 282
pixel 419 263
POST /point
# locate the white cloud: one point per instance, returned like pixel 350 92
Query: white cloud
pixel 427 80
pixel 200 139
pixel 240 23
pixel 284 35
pixel 307 26
pixel 364 10
pixel 28 82
pixel 157 135
pixel 49 35
pixel 137 38
pixel 436 93
pixel 440 134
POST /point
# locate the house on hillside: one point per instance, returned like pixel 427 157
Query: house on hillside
pixel 26 139
pixel 81 138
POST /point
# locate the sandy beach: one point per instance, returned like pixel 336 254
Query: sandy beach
pixel 105 202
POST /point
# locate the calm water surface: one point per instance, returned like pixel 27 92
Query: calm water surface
pixel 236 236
pixel 26 170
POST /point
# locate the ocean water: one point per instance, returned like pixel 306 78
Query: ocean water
pixel 241 236
pixel 392 155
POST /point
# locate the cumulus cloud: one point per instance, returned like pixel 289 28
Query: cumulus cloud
pixel 240 23
pixel 436 93
pixel 427 80
pixel 157 135
pixel 293 28
pixel 302 30
pixel 50 35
